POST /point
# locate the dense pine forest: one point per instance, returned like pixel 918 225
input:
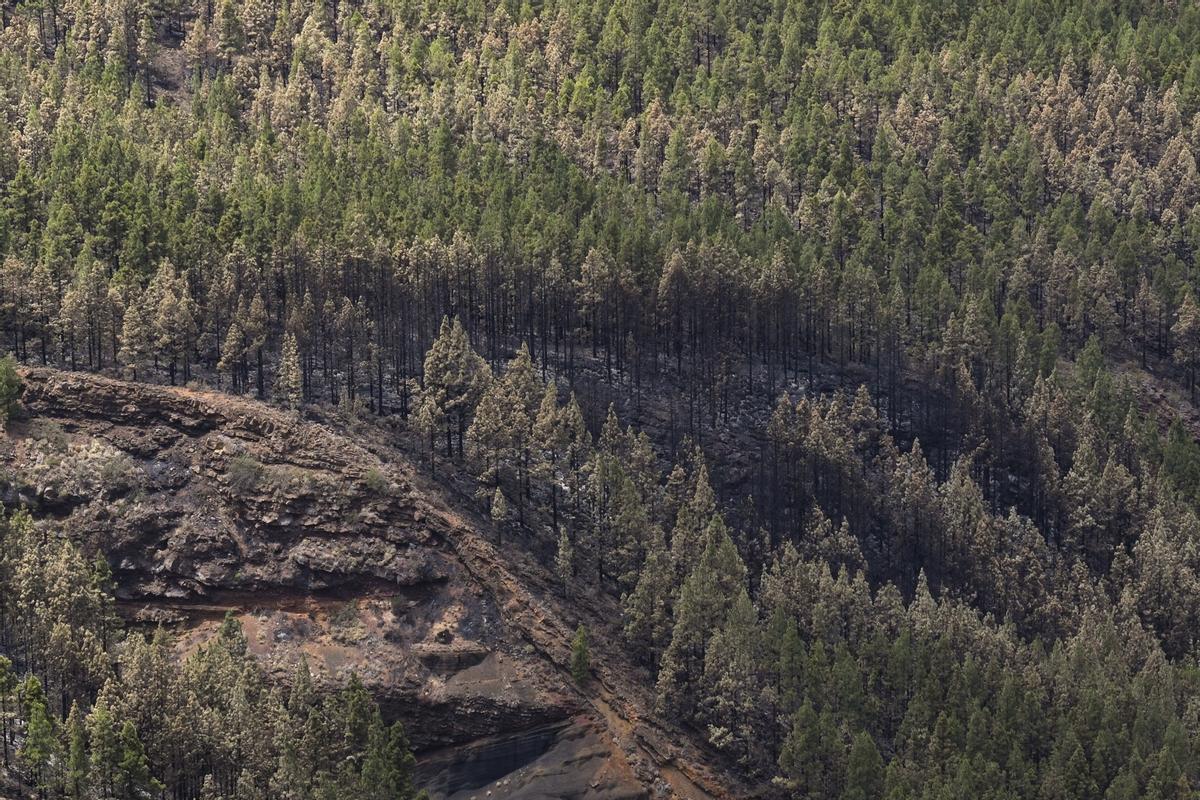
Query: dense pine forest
pixel 928 266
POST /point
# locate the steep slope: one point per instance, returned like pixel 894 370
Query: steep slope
pixel 206 504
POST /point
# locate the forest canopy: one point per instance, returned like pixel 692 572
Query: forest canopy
pixel 929 265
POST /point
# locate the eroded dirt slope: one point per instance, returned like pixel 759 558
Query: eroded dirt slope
pixel 347 555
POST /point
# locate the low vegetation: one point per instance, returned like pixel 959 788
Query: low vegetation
pixel 244 474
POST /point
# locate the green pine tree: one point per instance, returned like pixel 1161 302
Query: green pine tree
pixel 500 513
pixel 455 380
pixel 288 389
pixel 134 781
pixel 77 765
pixel 105 750
pixel 864 770
pixel 580 659
pixel 647 612
pixel 40 751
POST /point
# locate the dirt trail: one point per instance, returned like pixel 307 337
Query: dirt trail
pixel 624 730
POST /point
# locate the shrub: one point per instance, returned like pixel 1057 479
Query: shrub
pixel 244 473
pixel 115 472
pixel 90 468
pixel 375 480
pixel 49 433
pixel 345 626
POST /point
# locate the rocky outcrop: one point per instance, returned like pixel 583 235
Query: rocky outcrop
pixel 562 760
pixel 190 492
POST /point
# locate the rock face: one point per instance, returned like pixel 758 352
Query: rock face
pixel 347 556
pixel 213 495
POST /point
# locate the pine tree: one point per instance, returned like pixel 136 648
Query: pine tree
pixel 40 750
pixel 811 757
pixel 549 443
pixel 455 379
pixel 578 445
pixel 492 439
pixel 580 659
pixel 630 522
pixel 1187 336
pixel 784 635
pixel 693 518
pixel 864 770
pixel 133 771
pixel 1148 309
pixel 77 764
pixel 646 609
pixel 525 392
pixel 428 420
pixel 233 352
pixel 255 330
pixel 137 333
pixel 209 790
pixel 388 764
pixel 105 750
pixel 499 513
pixel 1069 775
pixel 169 332
pixel 732 662
pixel 8 685
pixel 704 600
pixel 288 389
pixel 523 381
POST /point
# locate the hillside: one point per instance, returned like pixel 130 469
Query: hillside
pixel 563 398
pixel 208 505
